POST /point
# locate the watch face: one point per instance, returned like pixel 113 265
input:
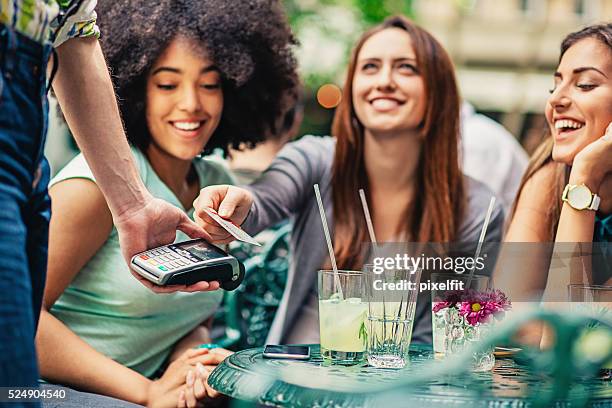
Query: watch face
pixel 579 197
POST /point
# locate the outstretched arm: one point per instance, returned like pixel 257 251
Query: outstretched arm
pixel 85 93
pixel 63 356
pixel 278 193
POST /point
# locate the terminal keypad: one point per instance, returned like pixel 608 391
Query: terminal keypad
pixel 167 259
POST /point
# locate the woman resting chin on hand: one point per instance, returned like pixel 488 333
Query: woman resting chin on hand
pixel 576 158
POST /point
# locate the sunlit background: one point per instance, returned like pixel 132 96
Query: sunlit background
pixel 504 50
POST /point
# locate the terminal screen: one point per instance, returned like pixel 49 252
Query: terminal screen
pixel 202 250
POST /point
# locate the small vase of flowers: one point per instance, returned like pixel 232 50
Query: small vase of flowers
pixel 461 318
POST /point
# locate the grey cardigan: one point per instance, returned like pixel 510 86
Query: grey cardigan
pixel 285 190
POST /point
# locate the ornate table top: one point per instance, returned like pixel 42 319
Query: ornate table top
pixel 246 375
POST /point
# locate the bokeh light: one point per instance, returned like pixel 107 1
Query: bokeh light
pixel 329 96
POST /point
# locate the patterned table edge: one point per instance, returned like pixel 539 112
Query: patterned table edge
pixel 244 385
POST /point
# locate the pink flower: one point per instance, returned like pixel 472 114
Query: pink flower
pixel 477 312
pixel 476 307
pixel 481 307
pixel 441 305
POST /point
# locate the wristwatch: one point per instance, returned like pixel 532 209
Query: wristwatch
pixel 580 197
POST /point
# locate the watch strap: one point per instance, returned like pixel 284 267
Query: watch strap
pixel 595 201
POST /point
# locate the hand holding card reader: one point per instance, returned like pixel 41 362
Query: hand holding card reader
pixel 188 262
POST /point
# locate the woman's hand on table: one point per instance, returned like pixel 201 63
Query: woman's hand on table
pixel 215 357
pixel 196 389
pixel 230 202
pixel 165 391
pixel 207 364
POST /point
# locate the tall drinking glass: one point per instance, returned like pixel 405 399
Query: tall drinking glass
pixel 588 294
pixel 391 299
pixel 342 319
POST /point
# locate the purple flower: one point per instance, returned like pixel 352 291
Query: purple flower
pixel 476 307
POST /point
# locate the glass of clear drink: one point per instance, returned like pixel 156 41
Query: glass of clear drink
pixel 391 299
pixel 342 317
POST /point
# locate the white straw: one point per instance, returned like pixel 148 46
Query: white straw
pixel 368 218
pixel 483 233
pixel 330 248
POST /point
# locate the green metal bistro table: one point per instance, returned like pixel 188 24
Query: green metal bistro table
pixel 247 376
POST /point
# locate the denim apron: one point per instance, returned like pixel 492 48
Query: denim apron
pixel 24 202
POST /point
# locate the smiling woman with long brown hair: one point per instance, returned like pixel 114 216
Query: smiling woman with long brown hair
pixel 566 193
pixel 396 136
pixel 365 119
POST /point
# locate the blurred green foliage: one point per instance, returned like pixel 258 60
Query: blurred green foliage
pixel 374 11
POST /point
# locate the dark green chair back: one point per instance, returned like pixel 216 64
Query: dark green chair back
pixel 248 311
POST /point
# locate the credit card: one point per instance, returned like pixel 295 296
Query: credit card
pixel 235 231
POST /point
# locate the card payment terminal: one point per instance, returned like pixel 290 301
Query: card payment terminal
pixel 189 262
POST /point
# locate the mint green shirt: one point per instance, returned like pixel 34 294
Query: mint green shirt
pixel 113 312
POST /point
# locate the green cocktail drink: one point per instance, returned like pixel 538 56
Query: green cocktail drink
pixel 342 320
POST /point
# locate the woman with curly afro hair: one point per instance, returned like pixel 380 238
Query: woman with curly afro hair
pixel 190 76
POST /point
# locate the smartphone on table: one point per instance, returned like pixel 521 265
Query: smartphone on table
pixel 287 352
